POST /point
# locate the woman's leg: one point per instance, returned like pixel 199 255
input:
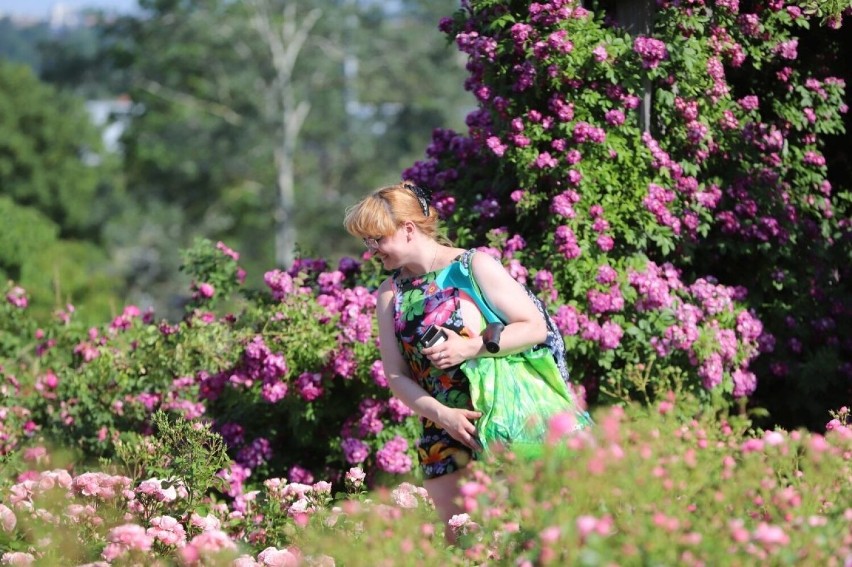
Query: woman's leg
pixel 444 491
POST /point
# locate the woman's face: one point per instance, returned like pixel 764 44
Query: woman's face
pixel 388 249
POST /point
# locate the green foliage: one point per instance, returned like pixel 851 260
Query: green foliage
pixel 208 264
pixel 94 388
pixel 202 145
pixel 180 452
pixel 45 135
pixel 664 484
pixel 26 233
pixel 828 11
pixel 49 242
pixel 648 486
pixel 20 44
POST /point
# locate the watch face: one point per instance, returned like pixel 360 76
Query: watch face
pixel 491 337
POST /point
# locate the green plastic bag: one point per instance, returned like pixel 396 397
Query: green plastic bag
pixel 517 395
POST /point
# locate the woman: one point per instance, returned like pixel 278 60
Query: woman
pixel 400 228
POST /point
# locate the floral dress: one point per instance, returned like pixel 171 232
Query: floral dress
pixel 418 303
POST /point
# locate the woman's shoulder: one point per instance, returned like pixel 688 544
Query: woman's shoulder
pixel 478 258
pixel 387 285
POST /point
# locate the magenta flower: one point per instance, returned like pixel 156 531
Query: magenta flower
pixel 273 390
pixel 370 422
pixel 496 146
pixel 377 372
pixel 610 336
pixel 206 290
pixel 614 117
pixel 745 383
pixel 300 475
pixel 343 363
pixel 732 6
pixel 329 282
pixel 567 320
pixel 309 386
pixel 566 242
pixel 354 450
pixel 606 275
pixel 711 371
pixel 227 251
pixel 750 102
pixel 280 283
pixel 393 457
pixel 18 297
pixel 397 410
pixel 605 242
pixel 545 161
pixel 652 51
pixel 561 205
pixel 788 49
pixel 255 454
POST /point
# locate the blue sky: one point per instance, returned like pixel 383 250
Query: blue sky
pixel 42 7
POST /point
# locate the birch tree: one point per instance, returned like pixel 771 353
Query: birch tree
pixel 285 35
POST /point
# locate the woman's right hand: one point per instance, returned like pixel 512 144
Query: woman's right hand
pixel 459 423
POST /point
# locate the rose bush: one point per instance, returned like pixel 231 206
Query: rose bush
pixel 648 482
pixel 288 377
pixel 693 234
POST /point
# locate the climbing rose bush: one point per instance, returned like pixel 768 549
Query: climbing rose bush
pixel 666 191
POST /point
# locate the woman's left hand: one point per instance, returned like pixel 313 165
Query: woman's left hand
pixel 453 351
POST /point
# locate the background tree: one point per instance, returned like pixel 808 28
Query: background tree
pixel 54 196
pixel 20 43
pixel 201 154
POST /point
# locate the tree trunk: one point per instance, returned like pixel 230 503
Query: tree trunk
pixel 637 17
pixel 285 113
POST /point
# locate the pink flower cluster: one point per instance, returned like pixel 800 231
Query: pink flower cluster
pixel 17 297
pixel 125 539
pixel 408 495
pixel 258 365
pixel 651 50
pixel 299 500
pixel 393 457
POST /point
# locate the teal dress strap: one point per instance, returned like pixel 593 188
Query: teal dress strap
pixel 458 275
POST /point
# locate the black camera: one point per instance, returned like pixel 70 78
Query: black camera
pixel 432 336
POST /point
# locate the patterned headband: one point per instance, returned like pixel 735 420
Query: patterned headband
pixel 423 196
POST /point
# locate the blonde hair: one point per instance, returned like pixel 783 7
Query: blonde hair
pixel 385 209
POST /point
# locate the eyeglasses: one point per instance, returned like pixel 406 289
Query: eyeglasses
pixel 423 196
pixel 372 243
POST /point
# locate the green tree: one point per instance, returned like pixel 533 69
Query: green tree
pixel 20 43
pixel 208 144
pixel 49 193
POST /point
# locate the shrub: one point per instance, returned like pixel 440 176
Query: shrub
pixel 675 236
pixel 665 484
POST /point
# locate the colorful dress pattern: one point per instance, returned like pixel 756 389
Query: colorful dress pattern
pixel 418 303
